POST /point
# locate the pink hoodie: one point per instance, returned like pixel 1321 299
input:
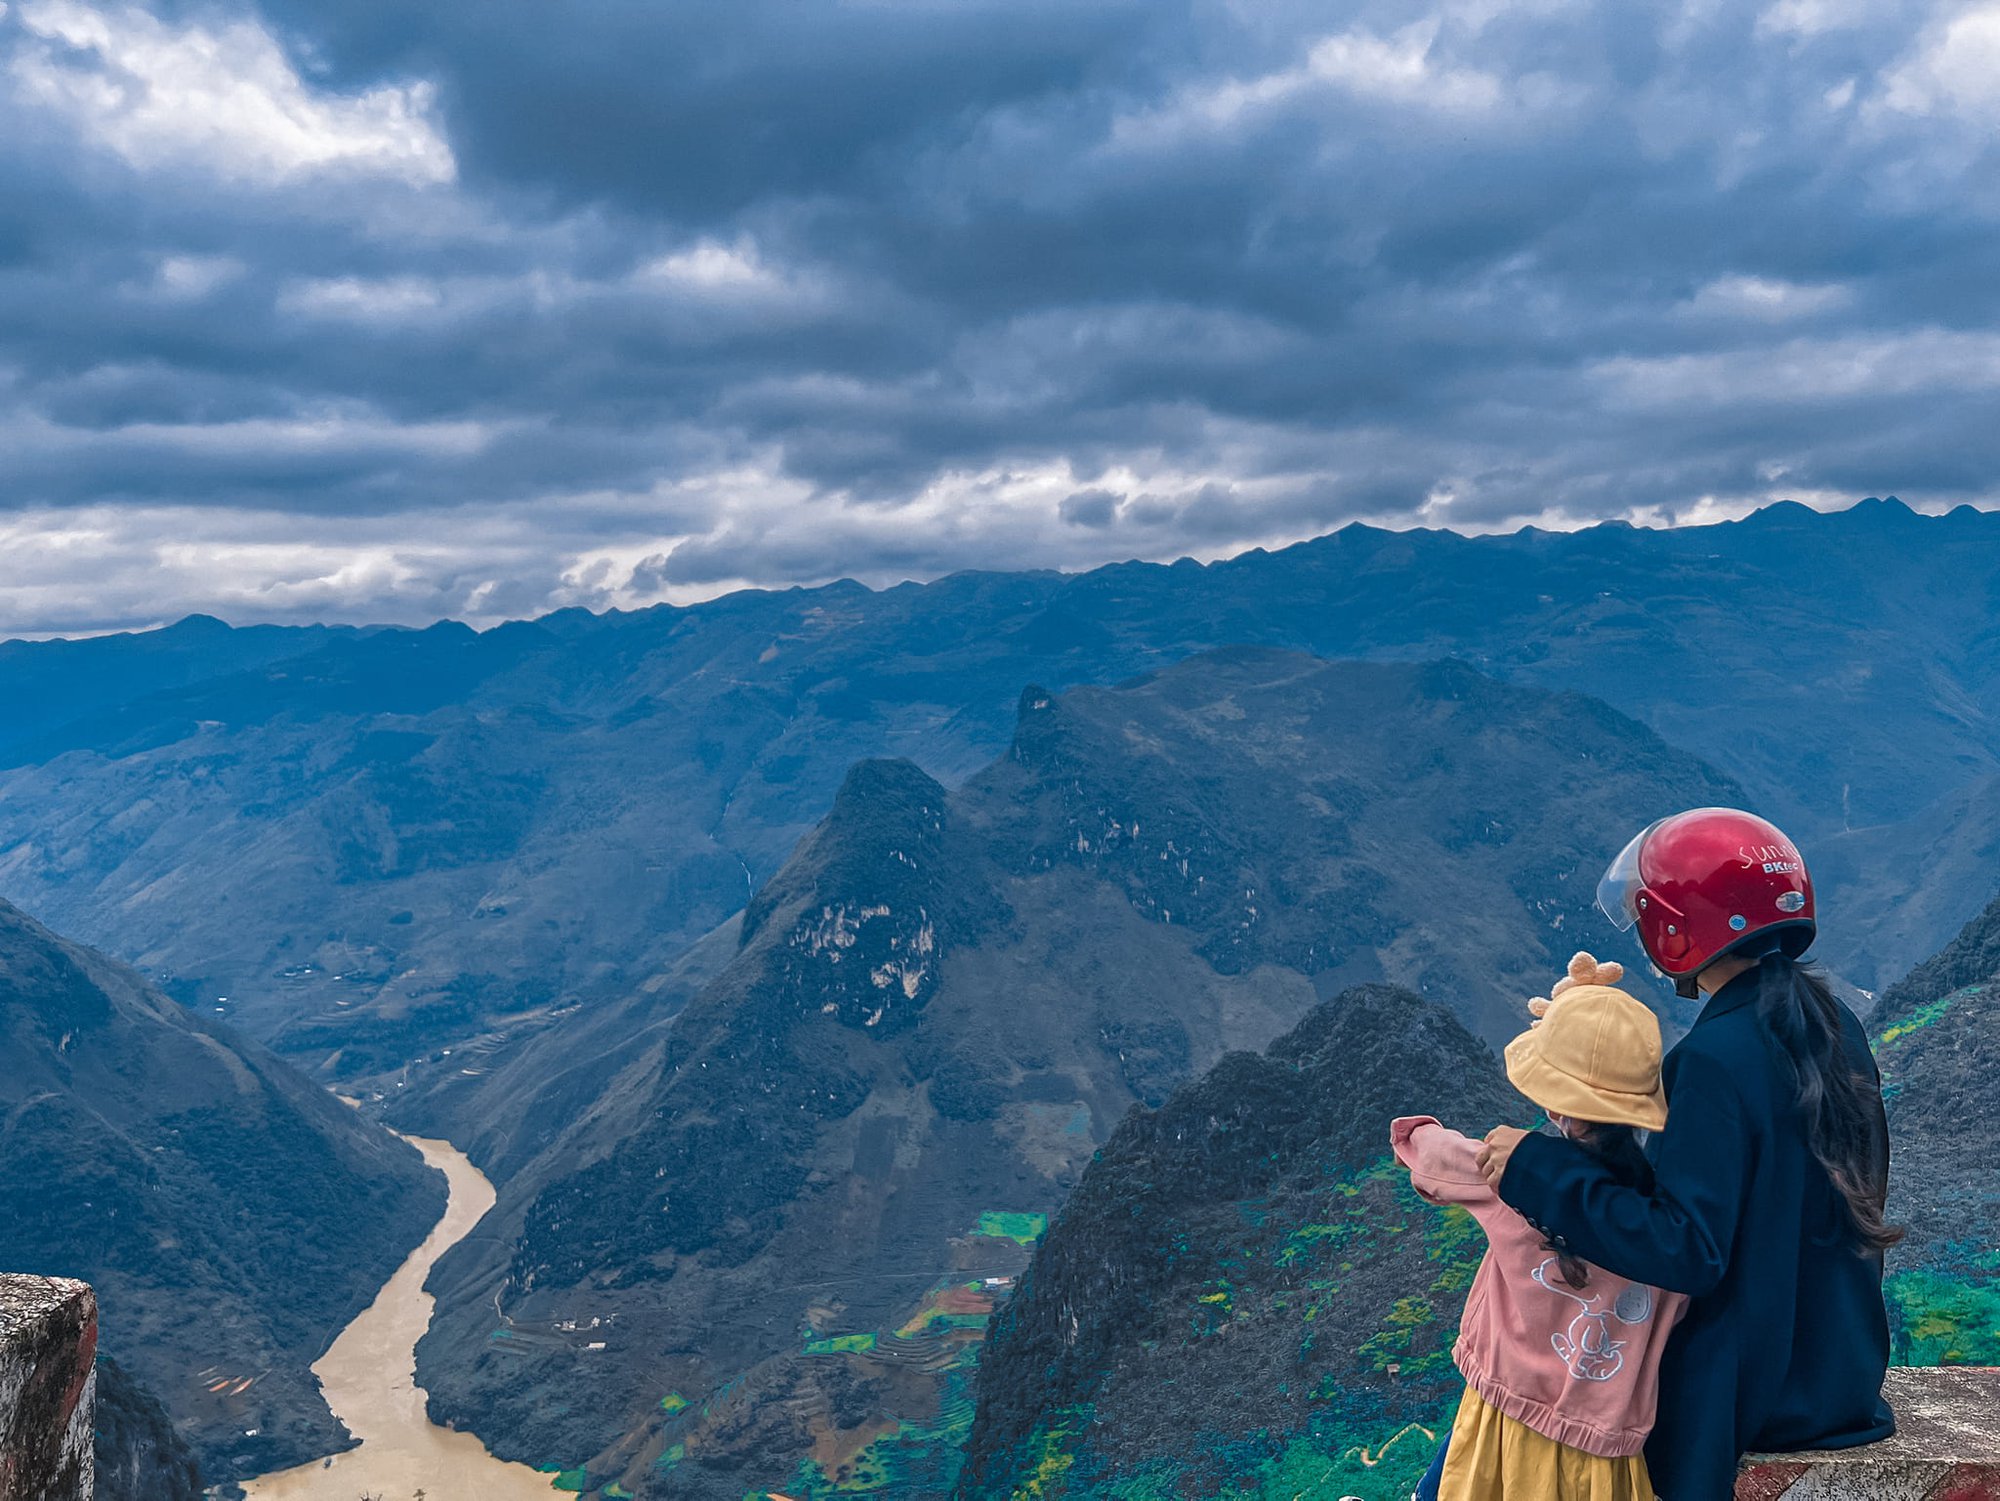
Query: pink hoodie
pixel 1578 1365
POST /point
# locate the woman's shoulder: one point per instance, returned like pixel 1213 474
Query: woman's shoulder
pixel 1717 1057
pixel 1728 1061
pixel 1720 1038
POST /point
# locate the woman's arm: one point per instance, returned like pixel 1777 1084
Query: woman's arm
pixel 1678 1237
pixel 1442 1163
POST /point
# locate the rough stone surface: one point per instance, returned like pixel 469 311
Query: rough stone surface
pixel 48 1384
pixel 1946 1448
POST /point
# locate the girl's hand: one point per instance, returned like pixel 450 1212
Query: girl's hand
pixel 1498 1151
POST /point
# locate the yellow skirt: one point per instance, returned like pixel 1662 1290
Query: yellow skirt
pixel 1494 1458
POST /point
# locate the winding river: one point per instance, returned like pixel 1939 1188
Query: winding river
pixel 370 1380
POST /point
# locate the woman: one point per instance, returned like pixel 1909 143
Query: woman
pixel 1769 1180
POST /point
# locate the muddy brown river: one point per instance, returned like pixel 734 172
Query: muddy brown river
pixel 370 1380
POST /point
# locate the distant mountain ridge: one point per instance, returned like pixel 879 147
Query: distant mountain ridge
pixel 376 844
pixel 231 1215
pixel 379 843
pixel 777 1217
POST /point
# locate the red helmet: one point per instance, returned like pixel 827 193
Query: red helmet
pixel 1703 883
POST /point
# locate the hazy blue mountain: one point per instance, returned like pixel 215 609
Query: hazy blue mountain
pixel 49 685
pixel 382 842
pixel 377 844
pixel 1897 892
pixel 768 1215
pixel 231 1215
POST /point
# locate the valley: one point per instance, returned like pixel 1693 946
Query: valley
pixel 913 1037
pixel 368 1380
pixel 231 1214
pixel 943 1005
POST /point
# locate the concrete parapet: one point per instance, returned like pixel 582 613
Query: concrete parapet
pixel 1946 1448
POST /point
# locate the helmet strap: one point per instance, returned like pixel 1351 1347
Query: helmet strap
pixel 1688 987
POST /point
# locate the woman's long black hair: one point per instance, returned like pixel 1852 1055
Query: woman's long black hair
pixel 1619 1149
pixel 1841 1106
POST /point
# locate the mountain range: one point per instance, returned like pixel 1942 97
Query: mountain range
pixel 788 959
pixel 231 1215
pixel 369 845
pixel 760 1257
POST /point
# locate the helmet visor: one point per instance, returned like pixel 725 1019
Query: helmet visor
pixel 1618 891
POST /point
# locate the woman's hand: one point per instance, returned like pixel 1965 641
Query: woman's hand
pixel 1497 1153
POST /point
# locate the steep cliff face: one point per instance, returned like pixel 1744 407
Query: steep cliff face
pixel 758 1259
pixel 139 1455
pixel 230 1215
pixel 1243 1296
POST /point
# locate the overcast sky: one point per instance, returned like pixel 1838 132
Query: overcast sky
pixel 360 310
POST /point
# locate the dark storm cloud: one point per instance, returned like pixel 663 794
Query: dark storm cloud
pixel 1094 508
pixel 364 310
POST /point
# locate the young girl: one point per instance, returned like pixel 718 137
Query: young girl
pixel 1561 1358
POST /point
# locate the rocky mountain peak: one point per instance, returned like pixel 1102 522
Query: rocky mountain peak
pixel 856 924
pixel 1224 1267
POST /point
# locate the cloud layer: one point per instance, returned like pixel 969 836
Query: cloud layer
pixel 359 311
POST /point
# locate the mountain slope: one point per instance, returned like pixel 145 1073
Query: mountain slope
pixel 1938 1045
pixel 230 1215
pixel 375 845
pixel 778 1220
pixel 1243 1296
pixel 1900 893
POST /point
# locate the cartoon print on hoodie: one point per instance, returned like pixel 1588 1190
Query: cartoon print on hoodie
pixel 1599 1395
pixel 1588 1347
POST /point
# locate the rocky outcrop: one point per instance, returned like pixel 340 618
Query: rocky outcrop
pixel 48 1353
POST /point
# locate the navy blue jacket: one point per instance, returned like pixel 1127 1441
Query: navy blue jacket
pixel 1786 1341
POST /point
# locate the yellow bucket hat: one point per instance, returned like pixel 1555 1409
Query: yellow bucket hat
pixel 1594 1056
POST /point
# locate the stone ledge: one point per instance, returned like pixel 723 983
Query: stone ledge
pixel 1946 1448
pixel 48 1386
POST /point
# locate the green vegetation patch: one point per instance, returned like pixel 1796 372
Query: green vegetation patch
pixel 842 1344
pixel 1391 1344
pixel 672 1403
pixel 577 1479
pixel 915 1459
pixel 1004 1224
pixel 1916 1021
pixel 1367 1458
pixel 1938 1319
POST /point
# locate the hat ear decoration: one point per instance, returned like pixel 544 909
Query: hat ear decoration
pixel 1584 969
